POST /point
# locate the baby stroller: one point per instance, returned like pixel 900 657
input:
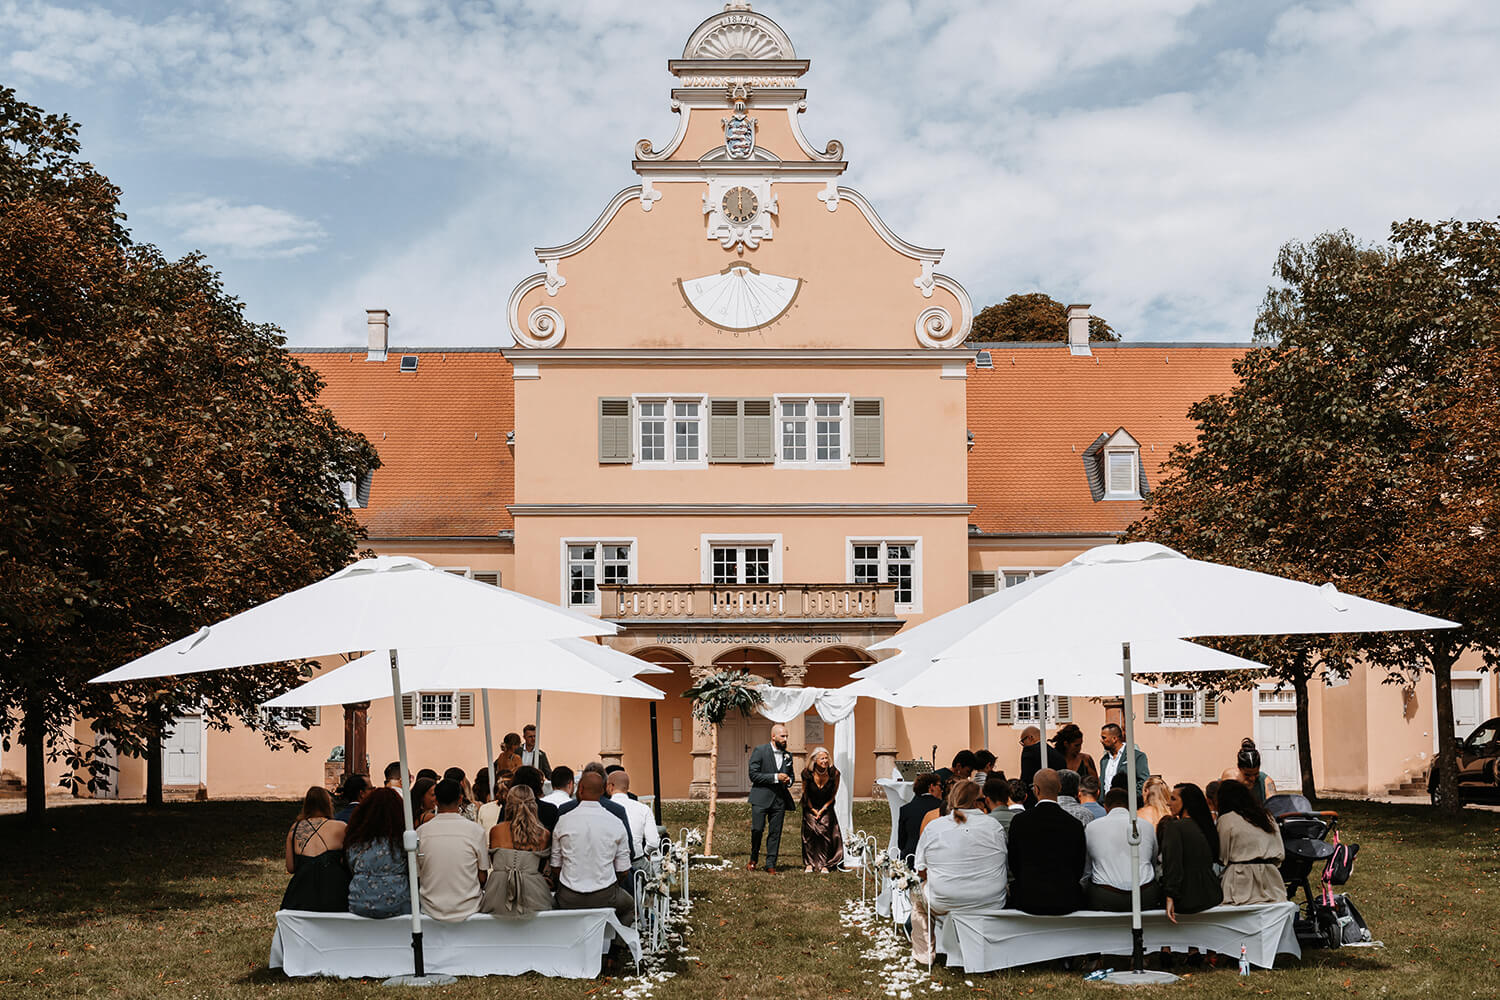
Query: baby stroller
pixel 1328 920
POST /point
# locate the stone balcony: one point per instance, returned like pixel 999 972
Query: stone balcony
pixel 704 603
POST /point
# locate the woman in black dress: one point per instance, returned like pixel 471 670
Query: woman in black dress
pixel 315 858
pixel 822 843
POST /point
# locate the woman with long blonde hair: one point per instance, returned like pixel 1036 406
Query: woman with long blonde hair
pixel 519 851
pixel 822 841
pixel 1156 801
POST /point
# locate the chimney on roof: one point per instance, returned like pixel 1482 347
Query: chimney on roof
pixel 1078 329
pixel 379 323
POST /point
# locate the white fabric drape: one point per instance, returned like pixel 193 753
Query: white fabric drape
pixel 836 709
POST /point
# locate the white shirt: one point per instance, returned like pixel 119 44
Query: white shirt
pixel 451 852
pixel 1108 766
pixel 589 846
pixel 965 863
pixel 528 758
pixel 642 823
pixel 557 797
pixel 1108 842
pixel 780 756
pixel 489 815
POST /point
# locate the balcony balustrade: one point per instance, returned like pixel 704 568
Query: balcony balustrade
pixel 695 602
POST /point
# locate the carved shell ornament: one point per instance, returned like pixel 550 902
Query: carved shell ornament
pixel 739 41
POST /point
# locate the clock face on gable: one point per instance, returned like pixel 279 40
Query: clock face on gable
pixel 739 205
pixel 739 297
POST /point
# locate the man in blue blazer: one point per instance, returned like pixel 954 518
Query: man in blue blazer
pixel 770 795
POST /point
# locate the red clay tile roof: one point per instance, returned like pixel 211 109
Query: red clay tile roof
pixel 1036 412
pixel 440 432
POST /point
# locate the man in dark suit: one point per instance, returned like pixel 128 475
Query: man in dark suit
pixel 1031 759
pixel 531 756
pixel 770 795
pixel 1047 853
pixel 909 819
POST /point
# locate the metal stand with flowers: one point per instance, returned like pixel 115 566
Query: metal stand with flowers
pixel 714 697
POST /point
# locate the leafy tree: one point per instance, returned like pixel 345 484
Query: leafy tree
pixel 1360 447
pixel 1031 317
pixel 714 697
pixel 164 463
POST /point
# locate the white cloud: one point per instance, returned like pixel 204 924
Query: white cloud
pixel 1114 153
pixel 244 231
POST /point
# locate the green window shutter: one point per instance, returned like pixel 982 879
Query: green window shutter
pixel 464 709
pixel 1064 706
pixel 1209 710
pixel 724 430
pixel 408 710
pixel 867 431
pixel 1005 712
pixel 614 430
pixel 1153 708
pixel 756 431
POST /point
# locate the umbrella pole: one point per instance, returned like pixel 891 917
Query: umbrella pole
pixel 1041 715
pixel 489 743
pixel 410 840
pixel 655 769
pixel 538 728
pixel 984 719
pixel 1137 940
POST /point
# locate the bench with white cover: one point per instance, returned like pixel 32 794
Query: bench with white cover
pixel 568 944
pixel 984 942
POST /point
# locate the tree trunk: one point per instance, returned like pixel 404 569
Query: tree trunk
pixel 1447 761
pixel 1304 734
pixel 713 791
pixel 153 757
pixel 34 732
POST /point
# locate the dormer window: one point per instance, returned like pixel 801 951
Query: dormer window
pixel 1113 466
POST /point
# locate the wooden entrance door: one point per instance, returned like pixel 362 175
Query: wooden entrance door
pixel 182 752
pixel 737 737
pixel 1276 721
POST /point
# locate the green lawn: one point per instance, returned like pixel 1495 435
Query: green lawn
pixel 116 901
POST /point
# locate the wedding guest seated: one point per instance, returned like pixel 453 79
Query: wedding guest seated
pixel 453 858
pixel 1019 791
pixel 351 793
pixel 1109 852
pixel 1047 853
pixel 1247 772
pixel 429 773
pixel 1250 848
pixel 996 792
pixel 984 763
pixel 614 808
pixel 1069 743
pixel 591 853
pixel 562 786
pixel 423 801
pixel 378 885
pixel 909 819
pixel 1156 800
pixel 1088 795
pixel 1067 797
pixel 487 813
pixel 964 764
pixel 393 777
pixel 520 848
pixel 468 809
pixel 1211 793
pixel 961 860
pixel 315 858
pixel 532 779
pixel 1189 844
pixel 642 819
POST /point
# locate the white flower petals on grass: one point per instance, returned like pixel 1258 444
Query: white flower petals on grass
pixel 887 948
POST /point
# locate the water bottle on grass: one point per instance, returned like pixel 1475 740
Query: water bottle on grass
pixel 1244 962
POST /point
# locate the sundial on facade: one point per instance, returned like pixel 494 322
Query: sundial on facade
pixel 739 297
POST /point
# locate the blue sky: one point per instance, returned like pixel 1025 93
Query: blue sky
pixel 1147 157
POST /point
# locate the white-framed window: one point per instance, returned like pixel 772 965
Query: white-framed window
pixel 671 431
pixel 1016 577
pixel 740 559
pixel 291 720
pixel 1180 706
pixel 437 709
pixel 1023 712
pixel 1121 477
pixel 587 563
pixel 898 561
pixel 812 432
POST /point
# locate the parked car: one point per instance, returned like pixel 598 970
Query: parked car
pixel 1478 766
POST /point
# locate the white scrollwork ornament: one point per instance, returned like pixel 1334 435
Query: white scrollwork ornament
pixel 935 327
pixel 544 328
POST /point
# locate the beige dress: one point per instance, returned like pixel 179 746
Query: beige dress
pixel 1240 842
pixel 516 886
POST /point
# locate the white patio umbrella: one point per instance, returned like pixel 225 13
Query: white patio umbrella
pixel 391 603
pixel 565 666
pixel 1134 593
